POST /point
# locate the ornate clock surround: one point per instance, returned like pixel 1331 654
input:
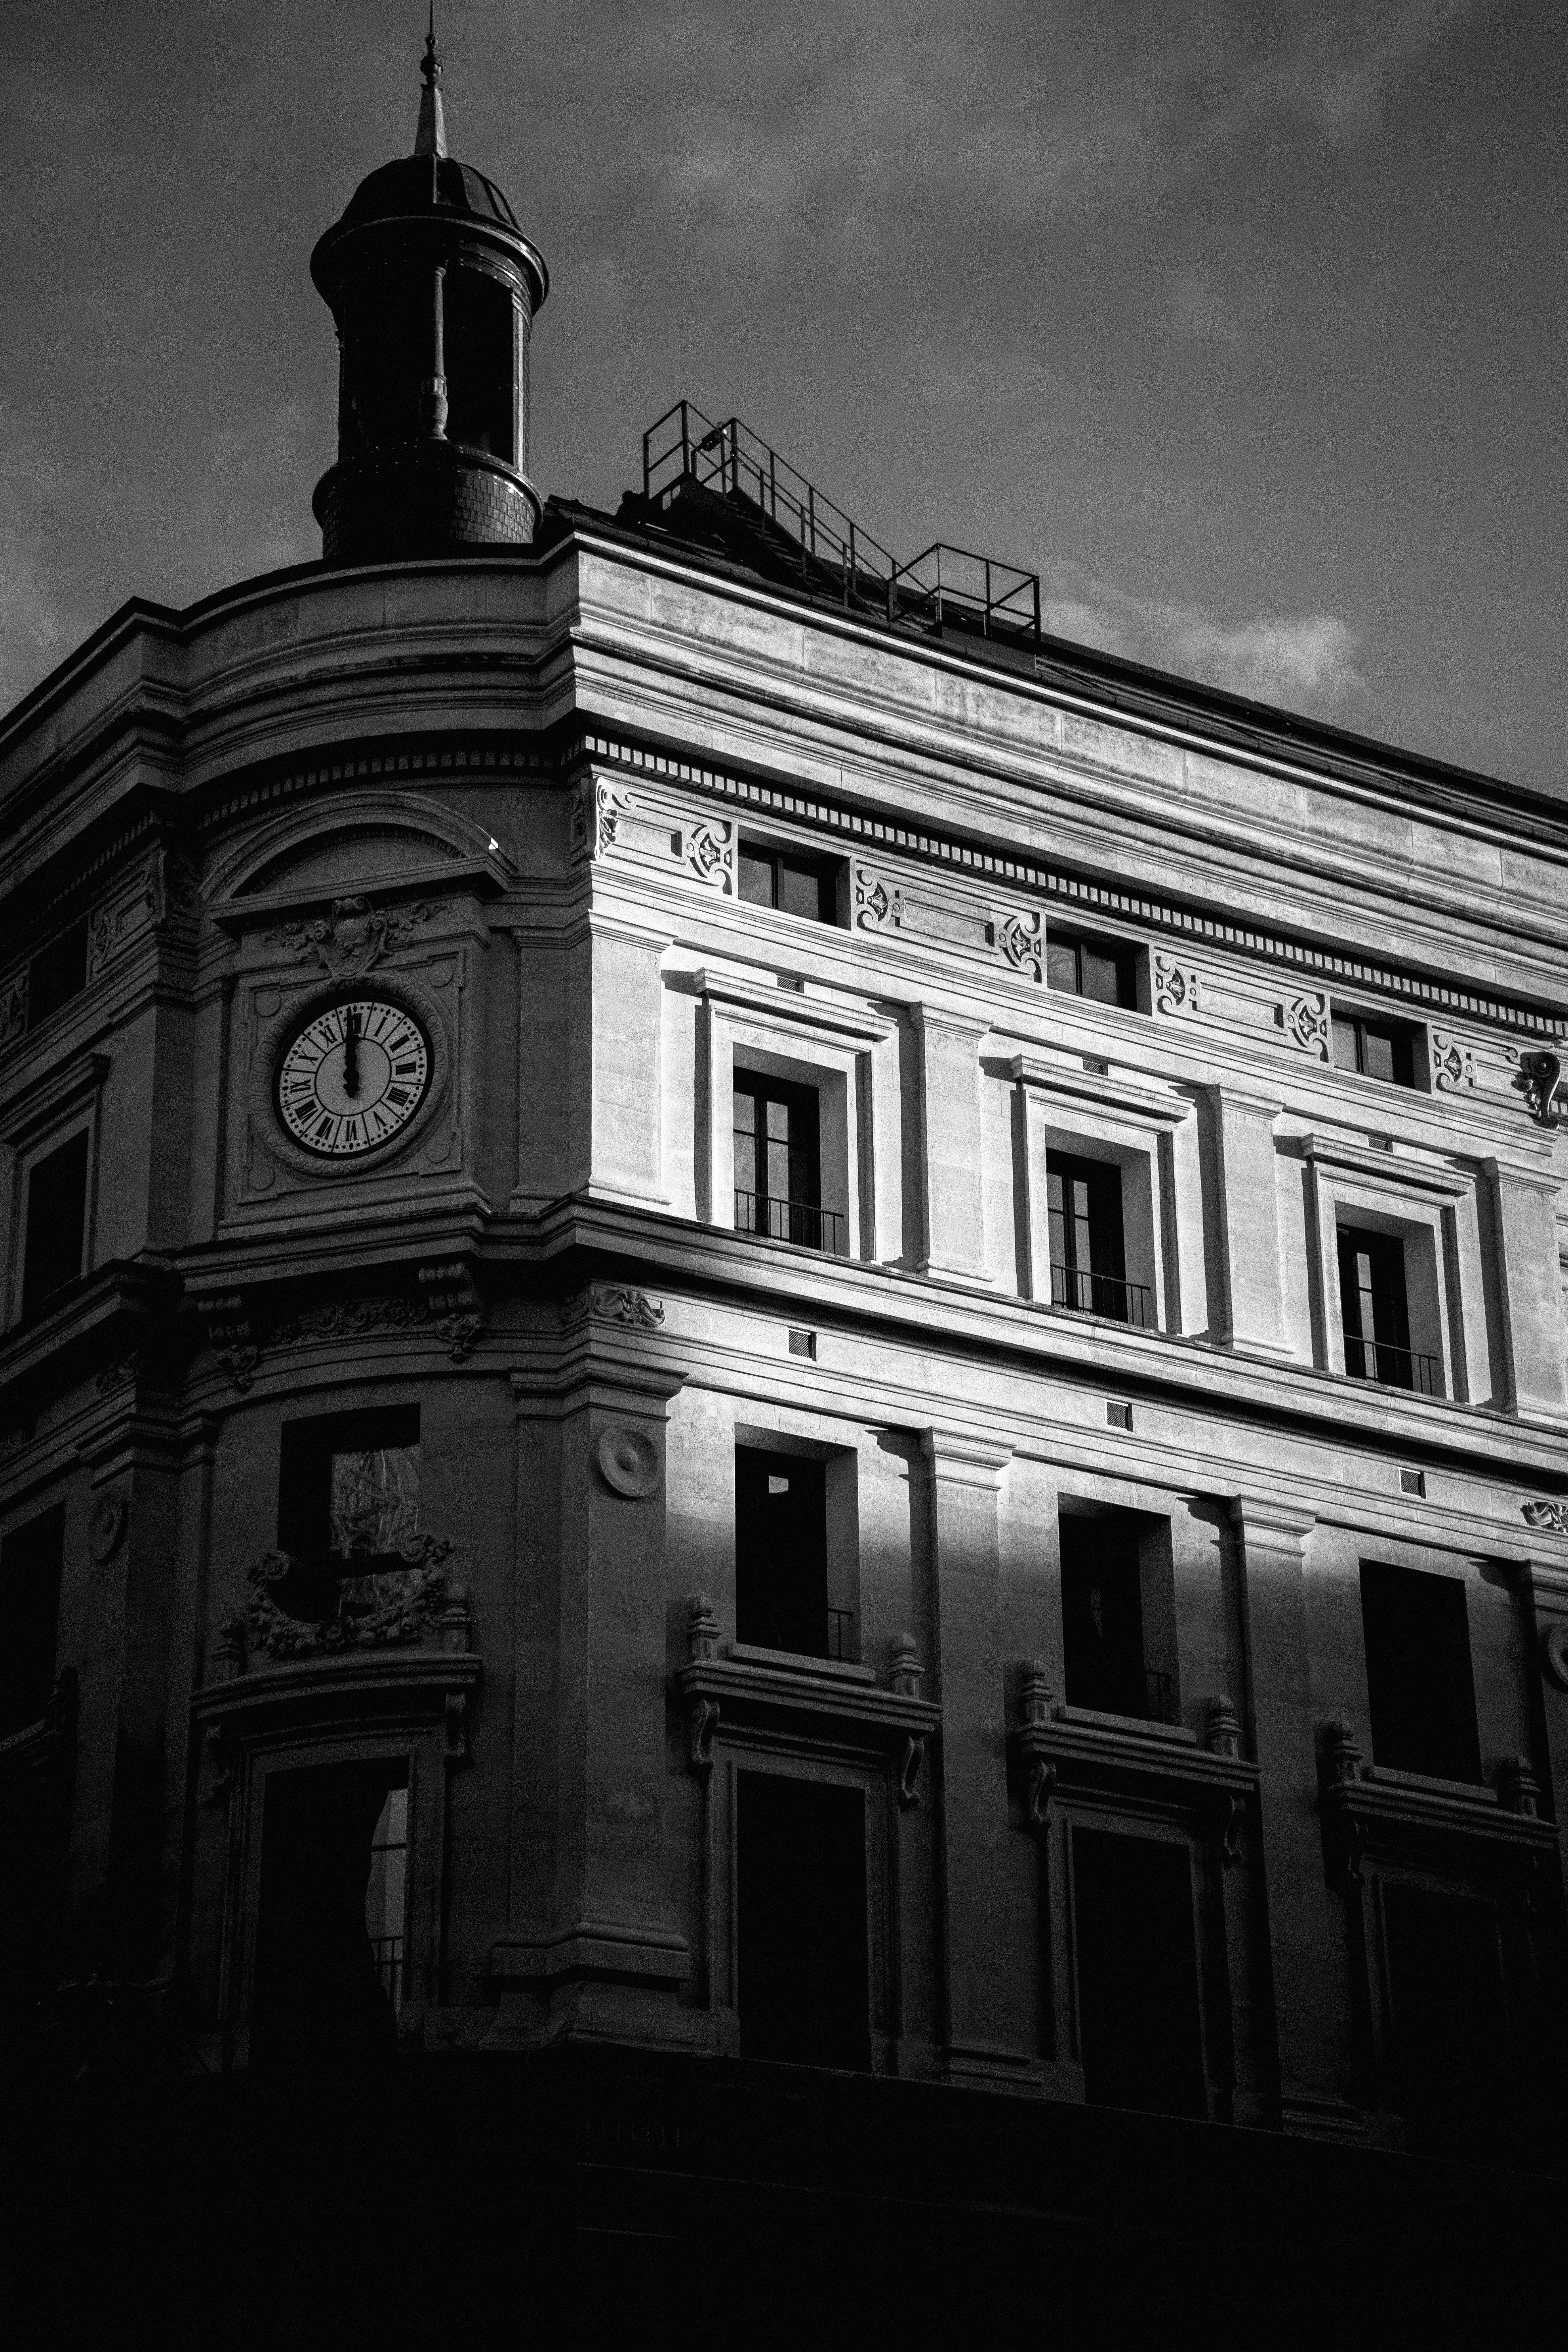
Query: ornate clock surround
pixel 280 1034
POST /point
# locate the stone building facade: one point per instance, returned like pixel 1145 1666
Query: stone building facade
pixel 756 1324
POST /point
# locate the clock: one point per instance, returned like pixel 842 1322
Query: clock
pixel 353 1077
pixel 349 1075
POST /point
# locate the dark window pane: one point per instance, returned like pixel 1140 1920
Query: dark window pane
pixel 756 878
pixel 321 1995
pixel 30 1595
pixel 1102 1616
pixel 746 1113
pixel 780 1552
pixel 56 1211
pixel 1418 1678
pixel 56 973
pixel 1450 2020
pixel 1061 965
pixel 801 889
pixel 778 1122
pixel 1137 1974
pixel 1102 975
pixel 801 1866
pixel 346 1482
pixel 1345 1055
pixel 1377 1047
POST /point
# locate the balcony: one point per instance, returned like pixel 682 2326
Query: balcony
pixel 1391 1367
pixel 791 1221
pixel 1083 1292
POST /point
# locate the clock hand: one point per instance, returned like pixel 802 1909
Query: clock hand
pixel 350 1056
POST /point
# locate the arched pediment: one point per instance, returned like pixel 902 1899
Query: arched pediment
pixel 351 843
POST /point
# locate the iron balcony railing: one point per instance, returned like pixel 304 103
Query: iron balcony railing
pixel 841 1635
pixel 1391 1367
pixel 386 1958
pixel 791 1221
pixel 949 588
pixel 1082 1292
pixel 1161 1700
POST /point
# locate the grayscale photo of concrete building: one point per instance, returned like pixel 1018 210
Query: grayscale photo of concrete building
pixel 784 1370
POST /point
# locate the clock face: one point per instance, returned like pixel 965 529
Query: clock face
pixel 353 1077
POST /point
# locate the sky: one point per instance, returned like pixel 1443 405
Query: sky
pixel 1240 321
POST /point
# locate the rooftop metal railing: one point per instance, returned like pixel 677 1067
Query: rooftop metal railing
pixel 944 588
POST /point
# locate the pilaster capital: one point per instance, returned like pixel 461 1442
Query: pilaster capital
pixel 1228 1100
pixel 957 1458
pixel 1263 1520
pixel 957 1020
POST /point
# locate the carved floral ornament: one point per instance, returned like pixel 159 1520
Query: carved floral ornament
pixel 1537 1074
pixel 1549 1516
pixel 1177 986
pixel 612 1302
pixel 391 1608
pixel 1305 1021
pixel 1453 1063
pixel 353 937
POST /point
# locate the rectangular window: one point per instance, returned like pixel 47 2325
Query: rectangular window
pixel 56 1222
pixel 1139 2028
pixel 1118 1621
pixel 330 1931
pixel 31 1559
pixel 1377 1049
pixel 1104 969
pixel 800 1962
pixel 1418 1633
pixel 348 1509
pixel 57 972
pixel 778 1165
pixel 1449 2019
pixel 1375 1316
pixel 793 882
pixel 1083 1202
pixel 781 1555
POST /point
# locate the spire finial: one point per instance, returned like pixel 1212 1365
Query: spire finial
pixel 430 138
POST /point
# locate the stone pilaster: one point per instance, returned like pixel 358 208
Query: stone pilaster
pixel 1246 1215
pixel 616 1052
pixel 966 1476
pixel 608 1961
pixel 1273 1538
pixel 953 1190
pixel 1534 1370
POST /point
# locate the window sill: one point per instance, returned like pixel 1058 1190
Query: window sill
pixel 748 1654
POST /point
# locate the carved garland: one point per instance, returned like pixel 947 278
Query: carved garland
pixel 612 1302
pixel 353 938
pixel 390 1609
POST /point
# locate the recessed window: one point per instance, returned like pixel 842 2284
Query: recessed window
pixel 56 1222
pixel 793 882
pixel 800 1962
pixel 1118 1617
pixel 348 1509
pixel 30 1560
pixel 1105 970
pixel 1083 1200
pixel 1419 1684
pixel 1139 2028
pixel 57 972
pixel 329 1930
pixel 1375 1316
pixel 1377 1049
pixel 781 1556
pixel 778 1165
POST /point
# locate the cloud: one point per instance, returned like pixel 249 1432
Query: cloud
pixel 854 122
pixel 253 510
pixel 1302 662
pixel 38 627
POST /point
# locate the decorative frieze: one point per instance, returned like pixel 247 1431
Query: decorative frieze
pixel 653 830
pixel 1453 1063
pixel 612 1302
pixel 348 1319
pixel 1550 1516
pixel 1306 1024
pixel 946 918
pixel 1178 988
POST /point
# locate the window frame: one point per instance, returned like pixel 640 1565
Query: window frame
pixel 1406 1039
pixel 830 873
pixel 67 1098
pixel 1123 954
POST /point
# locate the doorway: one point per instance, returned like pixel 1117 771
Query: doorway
pixel 1139 2031
pixel 802 1959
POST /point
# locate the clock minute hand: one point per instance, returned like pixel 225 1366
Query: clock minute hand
pixel 351 1055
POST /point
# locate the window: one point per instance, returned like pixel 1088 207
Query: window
pixel 1449 2019
pixel 1378 1049
pixel 1375 1316
pixel 57 972
pixel 329 1930
pixel 781 1556
pixel 1104 969
pixel 1118 1616
pixel 30 1560
pixel 795 884
pixel 1423 1700
pixel 1137 1974
pixel 57 1221
pixel 348 1509
pixel 802 1957
pixel 778 1165
pixel 1083 1200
